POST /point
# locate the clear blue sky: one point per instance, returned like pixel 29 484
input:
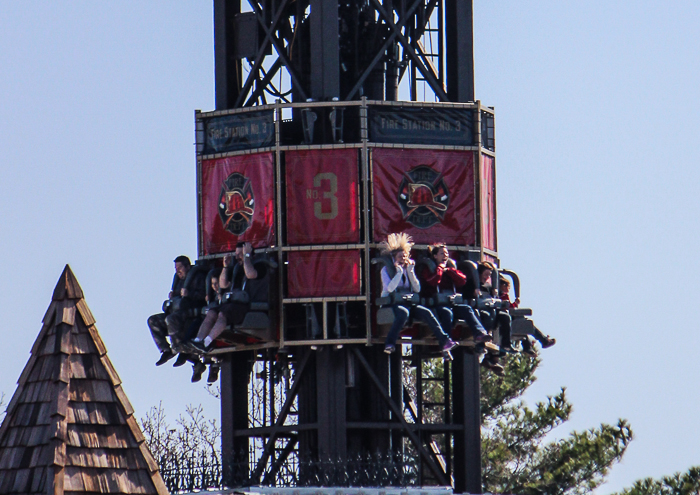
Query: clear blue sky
pixel 598 115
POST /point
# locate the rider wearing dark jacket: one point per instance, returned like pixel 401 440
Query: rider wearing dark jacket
pixel 186 297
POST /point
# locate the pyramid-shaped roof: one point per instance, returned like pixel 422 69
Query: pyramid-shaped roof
pixel 70 428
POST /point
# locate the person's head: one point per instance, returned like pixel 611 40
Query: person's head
pixel 398 246
pixel 214 282
pixel 182 266
pixel 439 253
pixel 503 285
pixel 485 270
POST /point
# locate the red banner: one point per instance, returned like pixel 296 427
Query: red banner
pixel 237 202
pixel 488 203
pixel 323 273
pixel 427 194
pixel 322 196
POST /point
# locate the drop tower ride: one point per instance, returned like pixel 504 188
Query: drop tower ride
pixel 313 157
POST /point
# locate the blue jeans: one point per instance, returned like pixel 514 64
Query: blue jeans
pixel 401 314
pixel 466 313
pixel 447 315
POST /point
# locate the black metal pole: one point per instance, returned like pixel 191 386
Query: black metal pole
pixel 227 68
pixel 467 412
pixel 325 66
pixel 459 34
pixel 235 375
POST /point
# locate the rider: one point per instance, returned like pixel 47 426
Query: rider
pixel 544 340
pixel 446 279
pixel 500 319
pixel 186 296
pixel 399 280
pixel 234 277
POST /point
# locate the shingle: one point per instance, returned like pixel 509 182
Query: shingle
pixel 21 481
pixel 70 410
pixel 73 479
pixel 39 480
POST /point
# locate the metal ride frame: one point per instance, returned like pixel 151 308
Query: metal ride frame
pixel 328 407
pixel 367 53
pixel 325 422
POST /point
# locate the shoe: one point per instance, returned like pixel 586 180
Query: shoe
pixel 165 356
pixel 492 365
pixel 213 375
pixel 449 345
pixel 481 338
pixel 508 350
pixel 181 360
pixel 198 347
pixel 389 349
pixel 548 343
pixel 197 371
pixel 498 369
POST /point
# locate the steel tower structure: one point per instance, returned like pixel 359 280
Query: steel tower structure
pixel 290 405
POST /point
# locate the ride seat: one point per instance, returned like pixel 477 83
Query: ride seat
pixel 256 324
pixel 521 326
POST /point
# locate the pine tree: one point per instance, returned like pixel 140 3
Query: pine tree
pixel 516 458
pixel 687 483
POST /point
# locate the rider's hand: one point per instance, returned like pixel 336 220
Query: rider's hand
pixel 183 292
pixel 227 260
pixel 247 248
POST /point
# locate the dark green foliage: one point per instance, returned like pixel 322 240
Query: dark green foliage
pixel 515 457
pixel 687 483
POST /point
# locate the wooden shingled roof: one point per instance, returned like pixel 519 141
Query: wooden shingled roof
pixel 70 428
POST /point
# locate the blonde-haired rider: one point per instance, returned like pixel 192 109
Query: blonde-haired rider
pixel 401 279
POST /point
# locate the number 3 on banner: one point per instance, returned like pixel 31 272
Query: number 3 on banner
pixel 318 205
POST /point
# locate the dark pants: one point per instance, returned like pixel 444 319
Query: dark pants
pixel 159 331
pixel 498 319
pixel 176 325
pixel 538 335
pixel 503 320
pixel 401 314
pixel 172 325
pixel 447 315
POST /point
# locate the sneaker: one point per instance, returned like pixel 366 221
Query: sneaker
pixel 530 352
pixel 549 342
pixel 449 345
pixel 491 364
pixel 498 369
pixel 508 350
pixel 198 347
pixel 447 355
pixel 389 349
pixel 181 360
pixel 165 356
pixel 197 371
pixel 213 375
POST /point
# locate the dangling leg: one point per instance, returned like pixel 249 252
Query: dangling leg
pixel 400 318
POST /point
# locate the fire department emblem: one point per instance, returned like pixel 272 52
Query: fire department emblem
pixel 236 203
pixel 423 197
